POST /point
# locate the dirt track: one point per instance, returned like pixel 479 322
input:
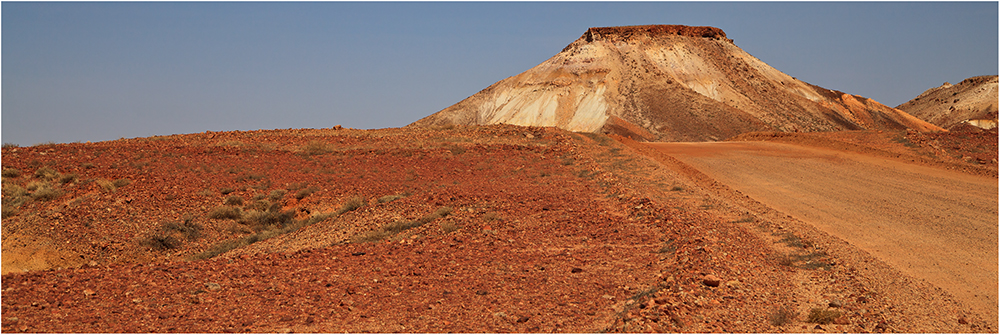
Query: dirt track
pixel 932 224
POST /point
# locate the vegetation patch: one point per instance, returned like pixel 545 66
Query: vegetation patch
pixel 822 315
pixel 271 223
pixel 226 212
pixel 10 173
pixel 782 316
pixel 390 198
pixel 394 228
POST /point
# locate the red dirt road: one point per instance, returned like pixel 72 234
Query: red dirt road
pixel 932 224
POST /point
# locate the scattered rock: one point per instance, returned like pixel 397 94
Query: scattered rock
pixel 213 286
pixel 88 292
pixel 711 281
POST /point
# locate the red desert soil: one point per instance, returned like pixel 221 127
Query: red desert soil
pixel 454 229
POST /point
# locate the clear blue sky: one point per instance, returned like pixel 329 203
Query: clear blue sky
pixel 102 71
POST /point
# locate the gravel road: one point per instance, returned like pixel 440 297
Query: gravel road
pixel 933 224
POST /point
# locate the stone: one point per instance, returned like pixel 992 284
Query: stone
pixel 711 281
pixel 213 286
pixel 841 321
pixel 88 292
pixel 836 303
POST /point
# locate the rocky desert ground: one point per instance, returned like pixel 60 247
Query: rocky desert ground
pixel 459 229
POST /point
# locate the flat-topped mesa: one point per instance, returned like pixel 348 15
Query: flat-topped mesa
pixel 653 30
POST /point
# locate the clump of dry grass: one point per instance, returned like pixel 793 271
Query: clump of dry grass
pixel 399 226
pixel 226 212
pixel 234 200
pixel 390 198
pixel 449 226
pixel 782 316
pixel 822 315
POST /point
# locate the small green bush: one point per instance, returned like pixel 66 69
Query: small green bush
pixel 226 212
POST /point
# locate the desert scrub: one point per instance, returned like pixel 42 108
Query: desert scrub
pixel 822 315
pixel 234 200
pixel 106 185
pixel 351 204
pixel 315 148
pixel 277 195
pixel 449 226
pixel 67 178
pixel 390 198
pixel 10 173
pixel 399 226
pixel 226 212
pixel 13 197
pixel 43 191
pixel 187 228
pixel 46 173
pixel 305 192
pixel 160 242
pixel 782 316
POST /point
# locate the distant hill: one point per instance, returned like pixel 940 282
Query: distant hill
pixel 666 83
pixel 972 101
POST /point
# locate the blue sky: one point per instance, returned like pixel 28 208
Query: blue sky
pixel 102 71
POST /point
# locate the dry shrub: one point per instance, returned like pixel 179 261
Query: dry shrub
pixel 10 173
pixel 449 226
pixel 161 242
pixel 352 203
pixel 226 212
pixel 305 192
pixel 822 315
pixel 46 173
pixel 390 198
pixel 782 316
pixel 234 200
pixel 45 192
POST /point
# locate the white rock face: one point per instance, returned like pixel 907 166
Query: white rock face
pixel 664 83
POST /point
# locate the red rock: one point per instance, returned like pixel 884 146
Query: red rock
pixel 711 281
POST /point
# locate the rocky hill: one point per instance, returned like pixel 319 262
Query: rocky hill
pixel 971 102
pixel 666 83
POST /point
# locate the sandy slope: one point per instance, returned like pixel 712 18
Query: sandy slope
pixel 929 223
